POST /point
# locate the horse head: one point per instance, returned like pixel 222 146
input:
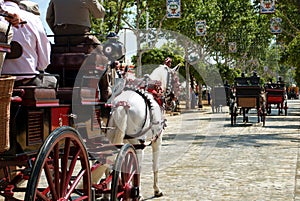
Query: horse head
pixel 169 82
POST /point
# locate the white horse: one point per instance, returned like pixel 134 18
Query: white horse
pixel 137 117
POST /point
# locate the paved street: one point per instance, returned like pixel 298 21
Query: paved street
pixel 205 158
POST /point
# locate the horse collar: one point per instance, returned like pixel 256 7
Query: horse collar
pixel 169 78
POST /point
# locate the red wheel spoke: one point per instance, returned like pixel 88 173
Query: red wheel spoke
pixel 120 194
pixel 130 167
pixel 56 169
pixel 64 163
pixel 41 196
pixel 50 181
pixel 75 183
pixel 130 177
pixel 72 166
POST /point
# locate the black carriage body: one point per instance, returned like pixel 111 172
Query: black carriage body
pixel 247 95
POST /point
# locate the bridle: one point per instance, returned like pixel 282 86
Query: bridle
pixel 169 82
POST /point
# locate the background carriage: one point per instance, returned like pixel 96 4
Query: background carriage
pixel 247 95
pixel 276 95
pixel 220 98
pixel 45 144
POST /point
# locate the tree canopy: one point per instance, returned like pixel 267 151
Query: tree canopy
pixel 239 21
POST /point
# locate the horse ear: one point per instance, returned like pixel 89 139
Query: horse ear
pixel 176 68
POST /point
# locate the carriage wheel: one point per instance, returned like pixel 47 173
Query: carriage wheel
pixel 126 175
pixel 269 109
pixel 279 106
pixel 245 116
pixel 61 165
pixel 233 113
pixel 263 115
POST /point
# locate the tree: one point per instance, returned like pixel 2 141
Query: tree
pixel 289 40
pixel 239 20
pixel 118 14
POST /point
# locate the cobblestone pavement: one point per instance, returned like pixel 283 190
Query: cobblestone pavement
pixel 205 158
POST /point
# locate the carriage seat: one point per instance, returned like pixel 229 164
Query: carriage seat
pixel 275 86
pixel 246 81
pixel 17 95
pixel 81 48
pixel 69 57
pixel 66 61
pixel 64 94
pixel 36 96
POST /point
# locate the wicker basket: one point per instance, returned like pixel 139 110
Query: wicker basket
pixel 6 88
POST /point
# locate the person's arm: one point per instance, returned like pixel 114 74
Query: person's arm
pixel 50 16
pixel 96 9
pixel 13 18
pixel 43 47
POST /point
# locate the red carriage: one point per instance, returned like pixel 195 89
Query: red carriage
pixel 48 151
pixel 276 95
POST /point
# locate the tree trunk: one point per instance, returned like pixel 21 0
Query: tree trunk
pixel 187 77
pixel 200 105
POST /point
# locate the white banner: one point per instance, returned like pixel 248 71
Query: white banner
pixel 220 38
pixel 173 9
pixel 267 6
pixel 232 47
pixel 275 23
pixel 201 28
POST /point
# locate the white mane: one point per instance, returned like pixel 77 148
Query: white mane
pixel 161 74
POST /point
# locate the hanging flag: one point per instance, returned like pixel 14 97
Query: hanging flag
pixel 232 47
pixel 201 28
pixel 220 38
pixel 173 9
pixel 267 6
pixel 275 25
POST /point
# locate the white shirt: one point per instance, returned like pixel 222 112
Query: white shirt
pixel 32 37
